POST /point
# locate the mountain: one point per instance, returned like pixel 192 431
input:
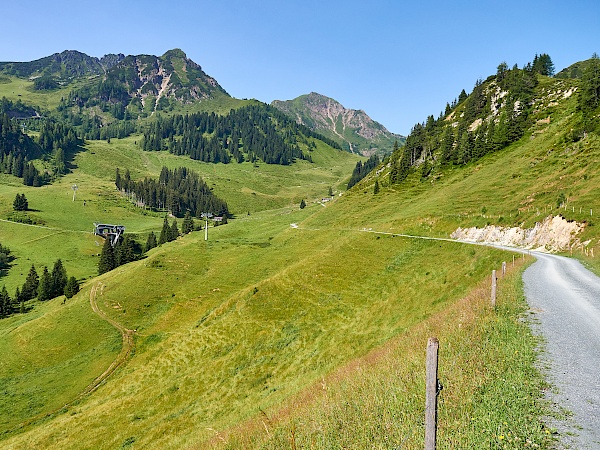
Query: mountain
pixel 149 83
pixel 353 129
pixel 310 322
pixel 66 65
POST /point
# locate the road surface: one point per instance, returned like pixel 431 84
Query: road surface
pixel 566 299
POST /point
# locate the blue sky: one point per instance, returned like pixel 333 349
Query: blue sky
pixel 398 61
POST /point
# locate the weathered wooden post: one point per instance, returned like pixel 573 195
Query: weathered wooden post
pixel 493 288
pixel 513 261
pixel 503 268
pixel 431 384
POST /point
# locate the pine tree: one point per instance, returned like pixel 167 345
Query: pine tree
pixel 376 187
pixel 5 303
pixel 164 233
pixel 72 287
pixel 150 242
pixel 107 258
pixel 20 203
pixel 124 251
pixel 30 287
pixel 45 287
pixel 173 231
pixel 59 279
pixel 589 93
pixel 188 223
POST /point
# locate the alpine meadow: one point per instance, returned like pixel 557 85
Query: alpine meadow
pixel 181 269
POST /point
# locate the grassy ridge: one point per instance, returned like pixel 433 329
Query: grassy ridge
pixel 230 329
pixel 248 319
pixel 489 400
pixel 49 356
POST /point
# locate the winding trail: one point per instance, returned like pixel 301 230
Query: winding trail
pixel 566 300
pixel 126 349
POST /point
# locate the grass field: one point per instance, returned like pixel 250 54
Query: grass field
pixel 258 337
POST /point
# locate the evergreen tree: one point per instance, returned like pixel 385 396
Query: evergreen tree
pixel 543 65
pixel 124 251
pixel 173 231
pixel 376 187
pixel 30 287
pixel 302 204
pixel 45 286
pixel 589 93
pixel 72 287
pixel 59 279
pixel 188 223
pixel 150 242
pixel 20 203
pixel 5 303
pixel 164 233
pixel 107 258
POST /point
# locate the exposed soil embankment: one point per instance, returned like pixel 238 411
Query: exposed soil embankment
pixel 554 234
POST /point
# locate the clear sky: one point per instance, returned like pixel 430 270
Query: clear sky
pixel 399 61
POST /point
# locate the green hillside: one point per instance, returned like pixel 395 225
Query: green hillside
pixel 299 328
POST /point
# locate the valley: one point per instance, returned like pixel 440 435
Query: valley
pixel 290 326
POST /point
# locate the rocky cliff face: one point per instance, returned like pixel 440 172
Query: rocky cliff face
pixel 552 234
pixel 353 129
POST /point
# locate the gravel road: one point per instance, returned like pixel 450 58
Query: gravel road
pixel 566 300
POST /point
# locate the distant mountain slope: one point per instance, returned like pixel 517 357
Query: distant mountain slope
pixel 68 64
pixel 353 129
pixel 574 70
pixel 150 83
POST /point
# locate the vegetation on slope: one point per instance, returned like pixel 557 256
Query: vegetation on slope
pixel 353 130
pixel 231 329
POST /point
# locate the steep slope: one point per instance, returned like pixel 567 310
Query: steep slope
pixel 150 83
pixel 66 65
pixel 353 129
pixel 232 328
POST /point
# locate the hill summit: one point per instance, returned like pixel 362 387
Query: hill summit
pixel 351 128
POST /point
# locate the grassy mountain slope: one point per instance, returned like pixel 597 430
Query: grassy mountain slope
pixel 231 329
pixel 353 129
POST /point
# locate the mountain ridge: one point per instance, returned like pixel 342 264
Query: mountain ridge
pixel 352 128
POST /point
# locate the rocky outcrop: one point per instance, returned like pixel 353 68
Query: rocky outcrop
pixel 553 234
pixel 352 128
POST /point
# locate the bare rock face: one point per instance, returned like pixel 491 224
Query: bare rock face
pixel 553 234
pixel 352 128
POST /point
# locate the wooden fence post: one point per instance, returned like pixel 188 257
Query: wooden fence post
pixel 493 288
pixel 513 260
pixel 431 383
pixel 503 268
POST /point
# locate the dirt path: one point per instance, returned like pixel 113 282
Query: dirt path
pixel 126 350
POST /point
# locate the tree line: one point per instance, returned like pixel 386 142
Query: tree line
pixel 251 133
pixel 127 249
pixel 473 125
pixel 48 285
pixel 589 97
pixel 18 150
pixel 177 191
pixel 362 169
